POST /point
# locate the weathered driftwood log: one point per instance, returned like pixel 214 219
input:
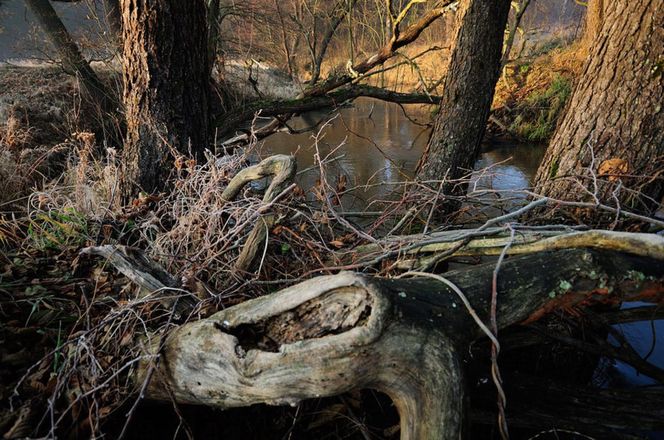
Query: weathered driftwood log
pixel 149 276
pixel 404 337
pixel 416 250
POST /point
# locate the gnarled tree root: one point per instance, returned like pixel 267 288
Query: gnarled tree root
pixel 282 168
pixel 403 337
pixel 323 337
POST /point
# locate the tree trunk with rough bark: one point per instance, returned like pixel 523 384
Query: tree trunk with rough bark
pixel 610 143
pixel 167 89
pixel 593 22
pixel 473 71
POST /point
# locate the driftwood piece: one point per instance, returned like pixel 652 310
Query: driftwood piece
pixel 148 275
pixel 403 337
pixel 133 264
pixel 282 168
pixel 418 250
pixel 209 362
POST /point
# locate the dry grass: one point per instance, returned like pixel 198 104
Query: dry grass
pixel 82 385
pixel 532 93
pixel 98 338
pixel 41 116
pixel 526 76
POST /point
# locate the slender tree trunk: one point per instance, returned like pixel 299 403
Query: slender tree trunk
pixel 114 19
pixel 284 40
pixel 167 90
pixel 520 8
pixel 341 9
pixel 468 89
pixel 612 135
pixel 70 55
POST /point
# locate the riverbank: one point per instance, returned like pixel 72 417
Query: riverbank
pixel 532 93
pixel 41 110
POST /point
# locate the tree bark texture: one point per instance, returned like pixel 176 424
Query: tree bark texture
pixel 613 131
pixel 167 88
pixel 593 22
pixel 405 337
pixel 473 71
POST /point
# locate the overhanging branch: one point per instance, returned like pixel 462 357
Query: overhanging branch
pixel 234 119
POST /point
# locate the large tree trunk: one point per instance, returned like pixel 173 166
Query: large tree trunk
pixel 468 89
pixel 613 132
pixel 167 88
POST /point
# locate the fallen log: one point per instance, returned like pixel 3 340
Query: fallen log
pixel 417 250
pixel 404 337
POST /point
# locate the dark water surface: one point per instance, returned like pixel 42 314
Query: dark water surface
pixel 376 145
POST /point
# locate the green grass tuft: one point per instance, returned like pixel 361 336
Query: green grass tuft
pixel 540 110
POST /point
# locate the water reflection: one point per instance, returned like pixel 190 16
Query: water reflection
pixel 379 144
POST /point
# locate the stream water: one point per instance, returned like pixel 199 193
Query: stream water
pixel 375 145
pixel 21 39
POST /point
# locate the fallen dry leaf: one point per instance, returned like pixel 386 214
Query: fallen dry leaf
pixel 613 168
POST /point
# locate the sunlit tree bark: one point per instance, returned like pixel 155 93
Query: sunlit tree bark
pixel 612 136
pixel 593 21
